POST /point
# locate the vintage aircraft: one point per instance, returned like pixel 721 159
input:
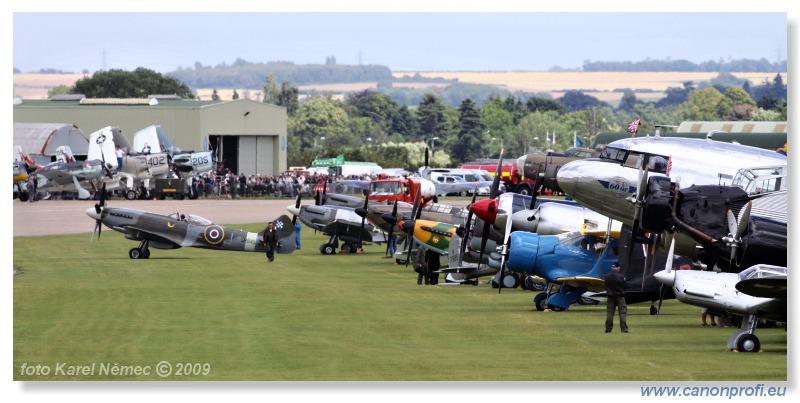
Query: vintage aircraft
pixel 157 148
pixel 23 166
pixel 339 223
pixel 614 184
pixel 67 173
pixel 758 292
pixel 178 230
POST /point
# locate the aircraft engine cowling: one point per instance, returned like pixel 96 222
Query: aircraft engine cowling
pixel 427 188
pixel 524 251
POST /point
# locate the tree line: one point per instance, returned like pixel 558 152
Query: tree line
pixel 373 126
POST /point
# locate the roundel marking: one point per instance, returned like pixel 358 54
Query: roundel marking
pixel 214 234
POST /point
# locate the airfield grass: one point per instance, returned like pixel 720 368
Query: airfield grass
pixel 309 317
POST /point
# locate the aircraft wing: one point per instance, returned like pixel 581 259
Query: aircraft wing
pixel 140 233
pixel 592 284
pixel 348 231
pixel 764 287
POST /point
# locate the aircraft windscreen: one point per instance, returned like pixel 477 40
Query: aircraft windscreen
pixel 761 271
pixel 197 220
pixel 570 238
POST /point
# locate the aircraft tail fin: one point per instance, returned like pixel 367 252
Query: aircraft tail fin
pixel 64 154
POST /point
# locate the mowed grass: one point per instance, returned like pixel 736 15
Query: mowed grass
pixel 309 317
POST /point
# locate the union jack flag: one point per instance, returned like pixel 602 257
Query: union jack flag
pixel 634 126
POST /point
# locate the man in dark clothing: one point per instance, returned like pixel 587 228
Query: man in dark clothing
pixel 615 290
pixel 270 240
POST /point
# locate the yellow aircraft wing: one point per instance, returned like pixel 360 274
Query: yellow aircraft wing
pixel 588 283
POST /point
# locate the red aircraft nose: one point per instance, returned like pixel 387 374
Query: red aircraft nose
pixel 486 210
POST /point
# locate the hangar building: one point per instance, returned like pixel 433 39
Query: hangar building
pixel 249 136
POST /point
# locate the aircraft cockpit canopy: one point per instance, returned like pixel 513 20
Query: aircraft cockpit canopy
pixel 656 163
pixel 762 271
pixel 197 220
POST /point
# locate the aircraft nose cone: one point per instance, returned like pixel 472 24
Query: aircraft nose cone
pixel 486 210
pixel 568 175
pixel 91 212
pixel 294 210
pixel 665 278
pixel 407 226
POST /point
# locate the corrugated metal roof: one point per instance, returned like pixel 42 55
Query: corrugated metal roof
pixel 170 103
pixel 44 138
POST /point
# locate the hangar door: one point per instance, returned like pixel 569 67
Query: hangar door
pixel 257 155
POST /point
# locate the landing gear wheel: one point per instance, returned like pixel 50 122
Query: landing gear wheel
pixel 130 195
pixel 555 308
pixel 346 248
pixel 510 280
pixel 540 301
pixel 146 254
pixel 327 249
pixel 135 253
pixel 653 310
pixel 534 285
pixel 586 301
pixel 748 343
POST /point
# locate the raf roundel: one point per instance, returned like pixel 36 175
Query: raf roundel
pixel 214 234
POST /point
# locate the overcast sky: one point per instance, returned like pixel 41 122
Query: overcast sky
pixel 476 41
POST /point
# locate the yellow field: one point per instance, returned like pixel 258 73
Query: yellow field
pixel 35 86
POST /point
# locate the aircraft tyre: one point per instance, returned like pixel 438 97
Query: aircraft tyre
pixel 130 194
pixel 540 301
pixel 524 190
pixel 748 343
pixel 327 249
pixel 135 253
pixel 534 285
pixel 510 280
pixel 23 196
pixel 346 248
pixel 145 253
pixel 587 301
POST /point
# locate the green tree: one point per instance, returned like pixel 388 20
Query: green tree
pixel 539 104
pixel 317 118
pixel 498 123
pixel 431 117
pixel 472 139
pixel 289 97
pixel 702 105
pixel 271 90
pixel 140 83
pixel 736 104
pixel 57 90
pixel 576 100
pixel 628 101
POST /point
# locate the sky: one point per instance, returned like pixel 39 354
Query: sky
pixel 404 41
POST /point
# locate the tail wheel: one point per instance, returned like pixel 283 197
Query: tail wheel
pixel 346 248
pixel 130 195
pixel 510 280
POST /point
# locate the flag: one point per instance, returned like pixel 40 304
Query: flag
pixel 577 142
pixel 634 126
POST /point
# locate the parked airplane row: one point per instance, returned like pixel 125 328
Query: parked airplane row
pixel 663 207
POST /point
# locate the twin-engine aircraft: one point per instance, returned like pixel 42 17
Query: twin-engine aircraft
pixel 174 231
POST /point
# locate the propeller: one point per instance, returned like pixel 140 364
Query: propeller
pixel 466 230
pixel 362 212
pixel 393 221
pixel 98 208
pixel 487 226
pixel 736 228
pixel 638 200
pixel 504 252
pixel 297 206
pixel 415 212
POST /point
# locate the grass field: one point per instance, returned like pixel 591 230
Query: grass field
pixel 308 317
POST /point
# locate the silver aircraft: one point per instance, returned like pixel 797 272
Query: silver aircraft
pixel 615 184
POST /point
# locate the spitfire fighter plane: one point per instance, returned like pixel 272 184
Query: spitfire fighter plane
pixel 175 231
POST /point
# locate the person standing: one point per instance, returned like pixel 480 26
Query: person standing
pixel 270 241
pixel 297 227
pixel 615 299
pixel 31 188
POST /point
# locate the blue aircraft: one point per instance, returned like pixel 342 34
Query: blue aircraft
pixel 577 261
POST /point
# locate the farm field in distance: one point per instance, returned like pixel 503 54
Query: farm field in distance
pixel 599 85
